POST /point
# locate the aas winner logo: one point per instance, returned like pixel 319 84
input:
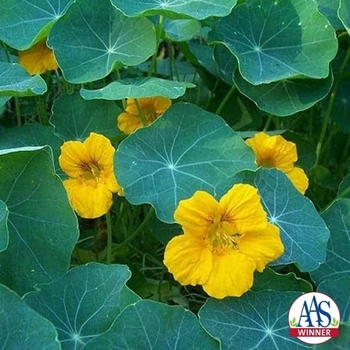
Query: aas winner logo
pixel 314 318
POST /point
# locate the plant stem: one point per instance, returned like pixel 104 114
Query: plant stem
pixel 138 230
pixel 141 115
pixel 41 108
pixel 330 107
pixel 109 238
pixel 225 99
pixel 18 112
pixel 159 28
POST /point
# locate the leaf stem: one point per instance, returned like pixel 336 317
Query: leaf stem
pixel 109 238
pixel 18 111
pixel 153 65
pixel 138 230
pixel 330 107
pixel 140 112
pixel 225 100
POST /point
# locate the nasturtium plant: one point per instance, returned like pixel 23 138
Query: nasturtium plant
pixel 173 174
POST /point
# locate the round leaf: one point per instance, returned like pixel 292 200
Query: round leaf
pixel 344 14
pixel 151 325
pixel 344 188
pixel 84 302
pixel 198 9
pixel 338 289
pixel 32 135
pixel 138 88
pixel 303 231
pixel 337 264
pixel 181 29
pixel 329 9
pixel 4 233
pixel 286 97
pixel 254 321
pixel 90 40
pixel 22 22
pixel 42 226
pixel 74 118
pixel 21 327
pixel 274 40
pixel 271 280
pixel 185 150
pixel 15 81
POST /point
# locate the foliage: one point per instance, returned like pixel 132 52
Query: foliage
pixel 232 69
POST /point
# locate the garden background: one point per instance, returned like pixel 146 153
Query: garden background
pixel 231 69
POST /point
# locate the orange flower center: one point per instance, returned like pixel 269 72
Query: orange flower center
pixel 266 163
pixel 90 172
pixel 219 239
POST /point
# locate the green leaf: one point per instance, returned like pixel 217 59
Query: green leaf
pixel 89 41
pixel 344 14
pixel 15 81
pixel 271 280
pixel 275 40
pixel 42 226
pixel 306 150
pixel 341 343
pixel 303 231
pixel 162 231
pixel 344 188
pixel 253 321
pixel 226 63
pixel 151 325
pixel 21 327
pixel 74 118
pixel 204 56
pixel 337 264
pixel 329 9
pixel 24 22
pixel 341 107
pixel 4 233
pixel 137 88
pixel 181 29
pixel 32 135
pixel 286 97
pixel 185 150
pixel 338 290
pixel 84 302
pixel 198 9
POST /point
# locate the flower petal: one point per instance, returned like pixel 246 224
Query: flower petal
pixel 299 179
pixel 273 151
pixel 262 246
pixel 37 59
pixel 89 199
pixel 189 259
pixel 101 152
pixel 241 205
pixel 74 156
pixel 196 214
pixel 161 104
pixel 232 274
pixel 128 123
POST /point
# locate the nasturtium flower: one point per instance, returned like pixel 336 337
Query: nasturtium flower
pixel 223 242
pixel 37 59
pixel 277 152
pixel 91 182
pixel 141 112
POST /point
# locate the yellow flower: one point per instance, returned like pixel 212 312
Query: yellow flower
pixel 277 152
pixel 89 165
pixel 223 242
pixel 141 112
pixel 37 59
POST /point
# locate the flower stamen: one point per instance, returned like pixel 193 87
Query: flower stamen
pixel 218 239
